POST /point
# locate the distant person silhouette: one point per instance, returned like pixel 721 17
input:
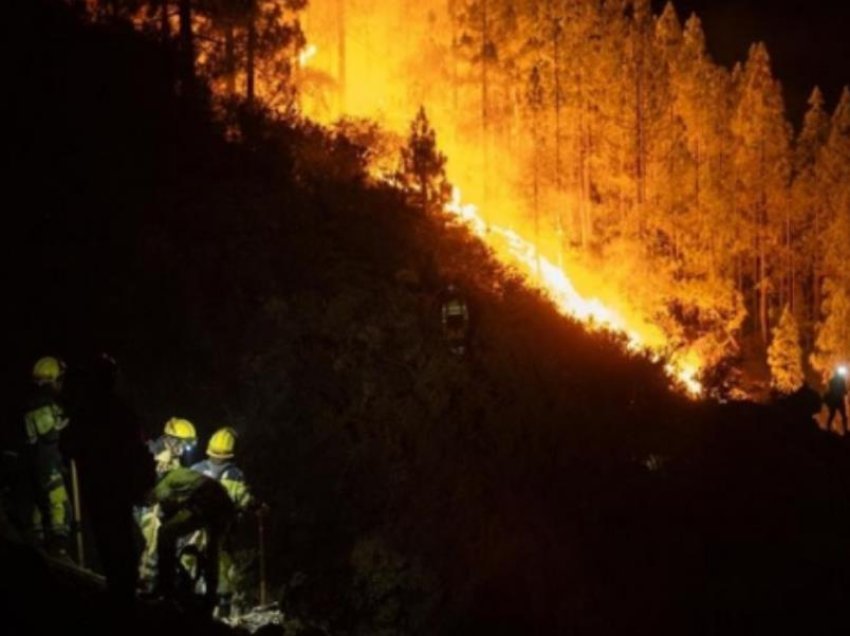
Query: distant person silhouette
pixel 455 319
pixel 836 398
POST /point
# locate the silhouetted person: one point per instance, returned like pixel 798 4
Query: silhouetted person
pixel 17 490
pixel 836 398
pixel 115 468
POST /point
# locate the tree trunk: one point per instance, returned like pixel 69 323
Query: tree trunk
pixel 584 153
pixel 342 75
pixel 556 82
pixel 251 52
pixel 164 24
pixel 640 132
pixel 485 99
pixel 761 231
pixel 230 58
pixel 455 71
pixel 815 295
pixel 423 185
pixel 536 193
pixel 187 49
pixel 791 275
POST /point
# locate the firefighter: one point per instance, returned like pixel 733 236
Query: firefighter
pixel 44 421
pixel 189 501
pixel 170 451
pixel 220 466
pixel 455 318
pixel 836 398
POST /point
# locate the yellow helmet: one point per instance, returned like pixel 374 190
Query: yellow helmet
pixel 222 444
pixel 181 429
pixel 48 369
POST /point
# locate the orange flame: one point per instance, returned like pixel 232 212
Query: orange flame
pixel 683 368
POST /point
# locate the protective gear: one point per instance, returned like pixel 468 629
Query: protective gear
pixel 222 444
pixel 455 308
pixel 169 452
pixel 229 476
pixel 43 421
pixel 147 518
pixel 190 501
pixel 47 370
pixel 455 318
pixel 52 515
pixel 181 429
pixel 171 448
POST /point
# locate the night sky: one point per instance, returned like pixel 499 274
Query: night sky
pixel 809 40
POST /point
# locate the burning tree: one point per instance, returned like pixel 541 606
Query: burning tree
pixel 242 48
pixel 833 335
pixel 785 356
pixel 604 130
pixel 423 170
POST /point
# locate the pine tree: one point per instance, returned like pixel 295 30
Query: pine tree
pixel 785 356
pixel 832 343
pixel 535 104
pixel 700 91
pixel 486 37
pixel 832 346
pixel 668 157
pixel 808 203
pixel 423 166
pixel 762 165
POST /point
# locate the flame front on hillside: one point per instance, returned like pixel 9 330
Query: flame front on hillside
pixel 683 368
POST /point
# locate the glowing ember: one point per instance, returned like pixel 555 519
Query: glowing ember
pixel 306 54
pixel 683 368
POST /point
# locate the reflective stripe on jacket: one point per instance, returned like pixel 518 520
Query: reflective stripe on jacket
pixel 229 476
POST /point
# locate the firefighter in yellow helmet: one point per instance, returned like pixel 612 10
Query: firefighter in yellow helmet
pixel 220 466
pixel 44 419
pixel 170 451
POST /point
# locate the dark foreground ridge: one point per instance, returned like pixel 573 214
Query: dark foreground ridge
pixel 44 596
